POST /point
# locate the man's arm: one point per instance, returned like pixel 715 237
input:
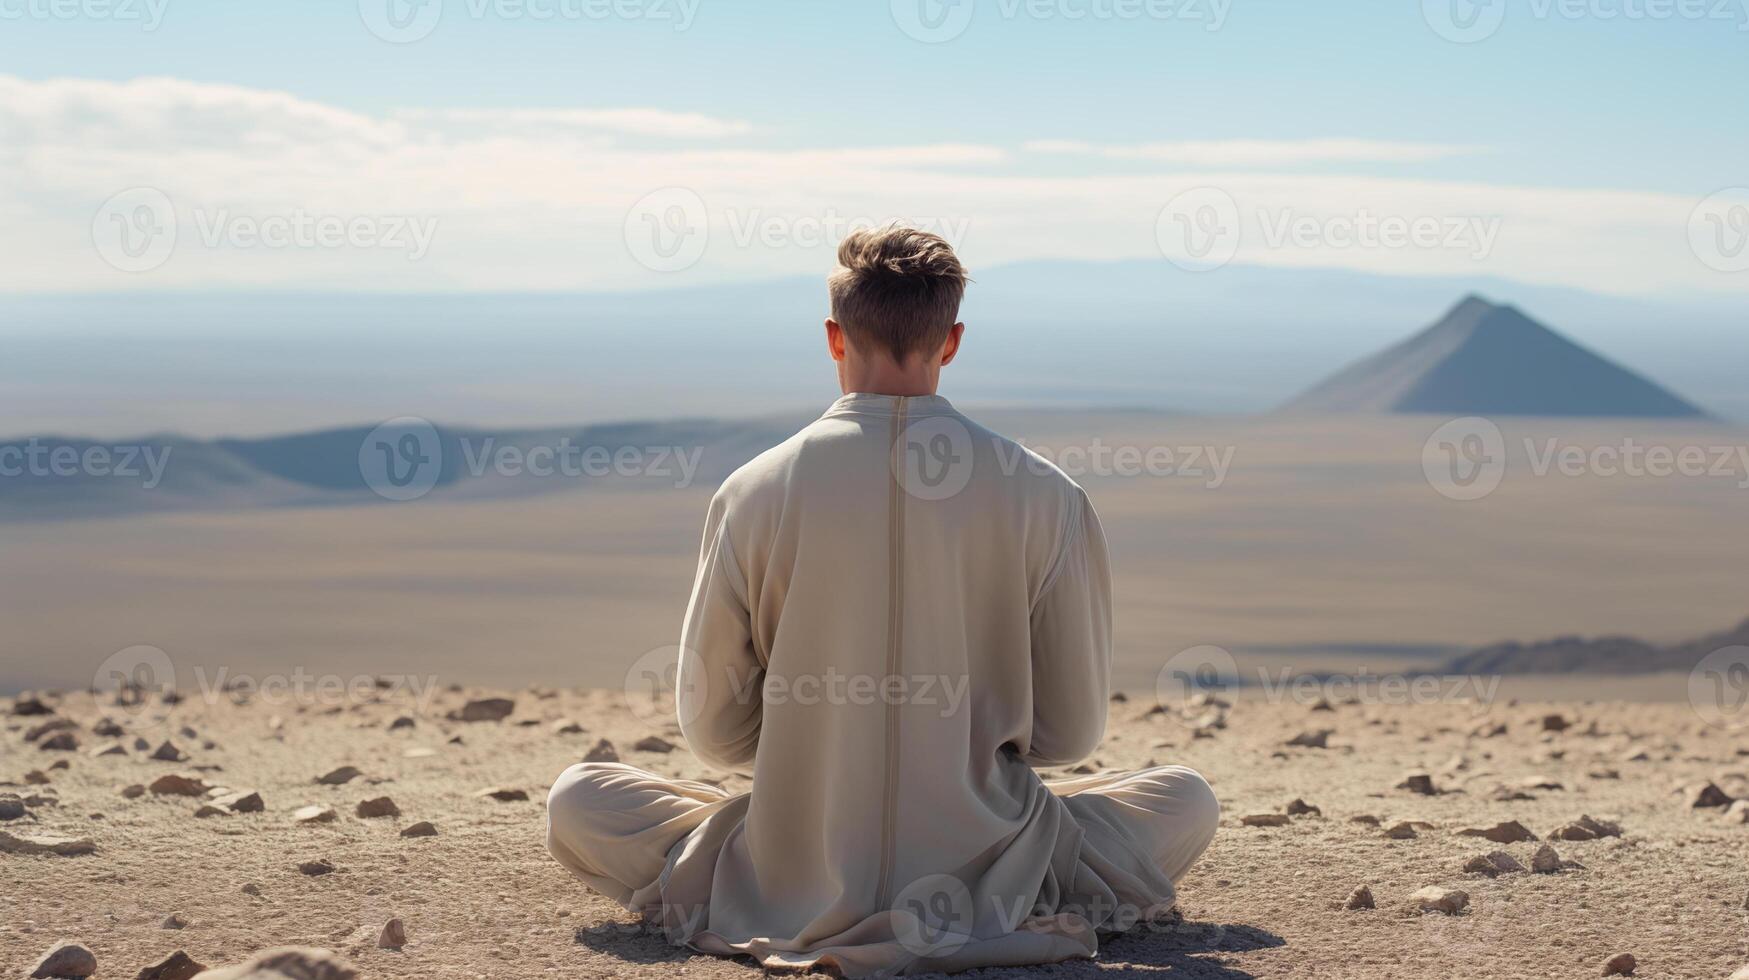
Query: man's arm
pixel 719 690
pixel 1071 647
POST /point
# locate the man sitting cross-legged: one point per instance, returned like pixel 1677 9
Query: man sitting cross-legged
pixel 897 615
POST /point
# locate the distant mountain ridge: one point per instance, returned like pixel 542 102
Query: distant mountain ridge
pixel 1608 654
pixel 1490 360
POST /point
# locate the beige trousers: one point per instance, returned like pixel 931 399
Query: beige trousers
pixel 614 825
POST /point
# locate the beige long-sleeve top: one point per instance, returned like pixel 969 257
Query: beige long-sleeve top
pixel 897 613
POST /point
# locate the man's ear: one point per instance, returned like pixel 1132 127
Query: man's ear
pixel 952 347
pixel 834 339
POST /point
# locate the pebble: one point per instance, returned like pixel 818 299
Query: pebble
pixel 36 777
pixel 178 784
pixel 382 806
pixel 11 807
pixel 1298 807
pixel 176 966
pixel 133 791
pixel 1572 832
pixel 315 814
pixel 1401 831
pixel 60 742
pixel 654 743
pixel 1360 898
pixel 566 726
pixel 1497 863
pixel 338 777
pixel 1316 739
pixel 68 960
pixel 28 705
pixel 1419 782
pixel 46 844
pixel 1509 832
pixel 244 801
pixel 1556 723
pixel 1433 898
pixel 1705 795
pixel 1265 820
pixel 175 920
pixel 106 727
pixel 485 709
pixel 602 752
pixel 252 889
pixel 1620 965
pixel 423 828
pixel 317 867
pixel 1546 860
pixel 503 794
pixel 113 748
pixel 1365 818
pixel 208 810
pixel 402 722
pixel 168 752
pixel 393 936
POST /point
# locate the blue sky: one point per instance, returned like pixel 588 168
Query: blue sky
pixel 1628 97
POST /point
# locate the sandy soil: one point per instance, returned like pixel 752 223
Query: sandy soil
pixel 482 899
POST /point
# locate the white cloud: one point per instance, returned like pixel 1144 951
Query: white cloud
pixel 539 199
pixel 1254 153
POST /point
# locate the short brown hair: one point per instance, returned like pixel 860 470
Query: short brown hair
pixel 897 289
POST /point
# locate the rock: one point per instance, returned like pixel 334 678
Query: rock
pixel 1318 739
pixel 423 828
pixel 1510 832
pixel 1448 901
pixel 1298 807
pixel 316 867
pixel 36 777
pixel 140 744
pixel 484 709
pixel 245 801
pixel 1572 832
pixel 1401 831
pixel 1705 795
pixel 1620 965
pixel 11 807
pixel 113 748
pixel 338 777
pixel 602 752
pixel 52 725
pixel 26 704
pixel 382 806
pixel 175 920
pixel 566 726
pixel 178 784
pixel 60 742
pixel 402 722
pixel 106 727
pixel 133 791
pixel 1601 828
pixel 1497 863
pixel 1738 813
pixel 287 963
pixel 1540 782
pixel 393 936
pixel 315 814
pixel 654 743
pixel 1419 782
pixel 251 889
pixel 1265 820
pixel 1556 723
pixel 1604 774
pixel 503 794
pixel 209 810
pixel 1360 898
pixel 1546 860
pixel 69 960
pixel 45 844
pixel 176 966
pixel 1323 704
pixel 168 752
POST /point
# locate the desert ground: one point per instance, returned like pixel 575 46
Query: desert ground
pixel 480 898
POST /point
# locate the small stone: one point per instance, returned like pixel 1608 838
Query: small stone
pixel 1419 782
pixel 177 784
pixel 317 867
pixel 1323 704
pixel 1497 863
pixel 168 752
pixel 1360 898
pixel 1546 860
pixel 208 810
pixel 484 709
pixel 1620 965
pixel 1509 832
pixel 11 807
pixel 245 801
pixel 1298 807
pixel 52 725
pixel 1705 795
pixel 113 748
pixel 1540 782
pixel 36 777
pixel 393 936
pixel 602 752
pixel 46 844
pixel 1401 831
pixel 1556 723
pixel 315 814
pixel 503 794
pixel 106 727
pixel 654 743
pixel 1265 820
pixel 382 806
pixel 26 704
pixel 1448 901
pixel 423 828
pixel 1572 832
pixel 1318 739
pixel 338 777
pixel 1601 828
pixel 252 889
pixel 175 920
pixel 133 791
pixel 60 742
pixel 566 726
pixel 176 966
pixel 68 960
pixel 1365 818
pixel 403 721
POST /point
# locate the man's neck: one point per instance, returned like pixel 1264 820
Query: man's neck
pixel 890 379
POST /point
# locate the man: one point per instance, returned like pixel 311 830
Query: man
pixel 897 615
